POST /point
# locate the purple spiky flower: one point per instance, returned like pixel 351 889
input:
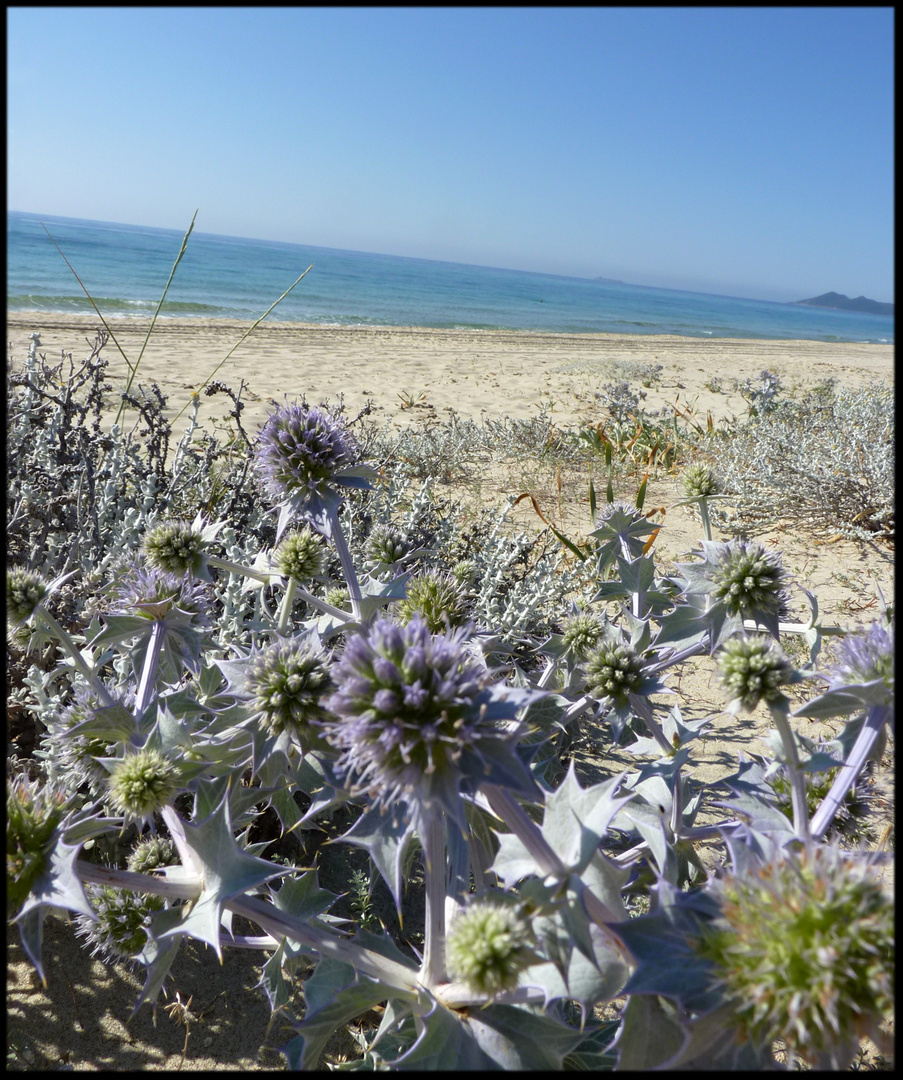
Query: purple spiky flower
pixel 301 448
pixel 415 716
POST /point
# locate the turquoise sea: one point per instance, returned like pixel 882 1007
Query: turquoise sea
pixel 125 268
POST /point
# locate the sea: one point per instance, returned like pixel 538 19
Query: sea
pixel 125 269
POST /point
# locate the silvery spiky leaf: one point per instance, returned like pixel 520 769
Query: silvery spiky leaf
pixel 305 454
pixel 622 530
pixel 418 720
pixel 740 580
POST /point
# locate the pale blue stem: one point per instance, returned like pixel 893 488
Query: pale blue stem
pixel 505 806
pixel 351 580
pixel 433 839
pixel 149 672
pixel 285 609
pixel 780 713
pixel 641 708
pixel 704 516
pixel 848 773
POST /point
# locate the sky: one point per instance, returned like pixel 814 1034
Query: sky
pixel 740 151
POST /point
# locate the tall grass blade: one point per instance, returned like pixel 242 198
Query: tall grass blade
pixel 244 336
pixel 90 298
pixel 134 370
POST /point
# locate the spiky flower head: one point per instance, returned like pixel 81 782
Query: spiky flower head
pixel 33 814
pixel 304 453
pixel 179 548
pixel 437 598
pixel 488 947
pixel 582 633
pixel 151 593
pixel 804 947
pixel 464 572
pixel 866 657
pixel 743 581
pixel 287 682
pixel 142 783
pixel 613 671
pixel 123 919
pixel 25 589
pixel 151 853
pixel 699 481
pixel 414 715
pixel 302 447
pixel 301 555
pixel 753 669
pixel 387 545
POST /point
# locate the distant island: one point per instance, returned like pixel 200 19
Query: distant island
pixel 844 303
pixel 609 281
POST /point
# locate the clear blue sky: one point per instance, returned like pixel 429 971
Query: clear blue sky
pixel 740 151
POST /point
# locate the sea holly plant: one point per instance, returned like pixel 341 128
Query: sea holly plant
pixel 347 688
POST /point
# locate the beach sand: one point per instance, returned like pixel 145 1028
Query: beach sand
pixel 475 372
pixel 79 1020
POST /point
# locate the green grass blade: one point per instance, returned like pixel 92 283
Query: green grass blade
pixel 581 555
pixel 245 335
pixel 172 273
pixel 90 299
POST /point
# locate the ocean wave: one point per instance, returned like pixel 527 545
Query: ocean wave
pixel 65 305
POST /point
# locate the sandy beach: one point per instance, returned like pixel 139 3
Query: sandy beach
pixel 475 372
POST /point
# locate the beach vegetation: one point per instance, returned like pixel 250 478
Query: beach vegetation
pixel 309 640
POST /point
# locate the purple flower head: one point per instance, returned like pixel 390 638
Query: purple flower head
pixel 413 713
pixel 151 593
pixel 301 447
pixel 303 452
pixel 866 657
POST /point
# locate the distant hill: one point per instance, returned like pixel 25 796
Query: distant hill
pixel 844 303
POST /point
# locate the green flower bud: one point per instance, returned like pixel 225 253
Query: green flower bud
pixel 699 480
pixel 175 548
pixel 488 947
pixel 753 669
pixel 287 682
pixel 123 917
pixel 300 555
pixel 582 634
pixel 33 814
pixel 613 671
pixel 804 947
pixel 25 590
pixel 142 783
pixel 437 599
pixel 151 853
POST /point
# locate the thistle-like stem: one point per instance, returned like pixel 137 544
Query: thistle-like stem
pixel 347 563
pixel 402 980
pixel 780 713
pixel 149 671
pixel 433 839
pixel 78 660
pixel 642 710
pixel 285 608
pixel 265 578
pixel 506 807
pixel 704 517
pixel 875 719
